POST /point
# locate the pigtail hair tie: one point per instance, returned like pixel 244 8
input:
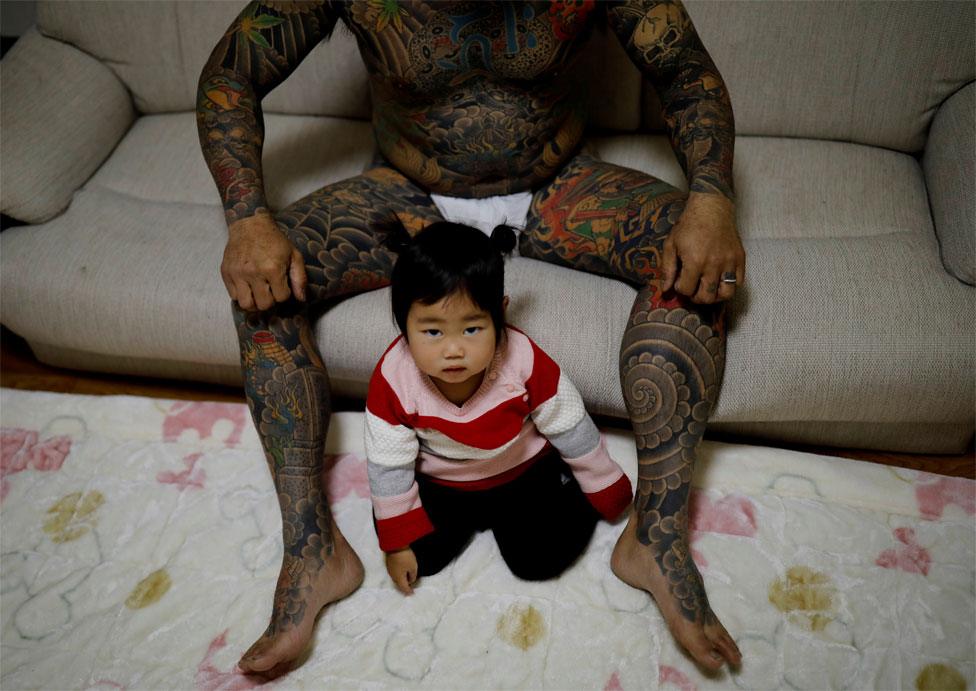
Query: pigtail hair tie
pixel 393 234
pixel 503 238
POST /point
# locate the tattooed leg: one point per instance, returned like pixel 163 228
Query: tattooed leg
pixel 288 392
pixel 671 365
pixel 605 219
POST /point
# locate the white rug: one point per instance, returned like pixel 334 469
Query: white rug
pixel 141 542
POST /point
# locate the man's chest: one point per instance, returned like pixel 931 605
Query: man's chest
pixel 423 46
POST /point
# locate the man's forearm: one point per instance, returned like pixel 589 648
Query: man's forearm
pixel 231 136
pixel 698 115
pixel 660 38
pixel 258 51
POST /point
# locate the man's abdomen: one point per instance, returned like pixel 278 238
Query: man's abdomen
pixel 486 141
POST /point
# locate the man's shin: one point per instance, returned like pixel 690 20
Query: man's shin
pixel 671 365
pixel 288 393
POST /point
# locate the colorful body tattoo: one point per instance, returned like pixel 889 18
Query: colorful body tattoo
pixel 262 47
pixel 609 220
pixel 286 383
pixel 288 393
pixel 603 219
pixel 476 99
pixel 660 38
pixel 671 366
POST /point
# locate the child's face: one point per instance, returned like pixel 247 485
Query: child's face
pixel 452 341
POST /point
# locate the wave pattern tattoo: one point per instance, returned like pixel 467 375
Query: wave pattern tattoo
pixel 333 230
pixel 671 365
pixel 613 221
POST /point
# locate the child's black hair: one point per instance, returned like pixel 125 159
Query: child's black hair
pixel 445 258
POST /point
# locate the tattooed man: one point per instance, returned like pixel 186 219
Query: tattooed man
pixel 471 100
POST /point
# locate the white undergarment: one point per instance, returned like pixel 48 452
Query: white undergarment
pixel 487 212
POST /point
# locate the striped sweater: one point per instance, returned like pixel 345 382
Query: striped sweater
pixel 524 405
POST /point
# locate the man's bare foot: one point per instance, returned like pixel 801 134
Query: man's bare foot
pixel 704 638
pixel 299 597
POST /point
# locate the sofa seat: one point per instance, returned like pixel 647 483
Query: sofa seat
pixel 813 210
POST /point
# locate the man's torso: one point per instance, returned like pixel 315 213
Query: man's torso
pixel 474 99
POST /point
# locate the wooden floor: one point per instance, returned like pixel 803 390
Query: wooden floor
pixel 20 370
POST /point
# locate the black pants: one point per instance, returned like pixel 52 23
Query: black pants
pixel 542 521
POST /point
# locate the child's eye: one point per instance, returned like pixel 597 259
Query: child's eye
pixel 472 330
pixel 433 333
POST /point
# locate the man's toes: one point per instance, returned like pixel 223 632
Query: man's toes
pixel 256 651
pixel 705 653
pixel 259 659
pixel 725 643
pixel 280 669
pixel 729 650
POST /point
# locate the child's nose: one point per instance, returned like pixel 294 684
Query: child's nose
pixel 454 349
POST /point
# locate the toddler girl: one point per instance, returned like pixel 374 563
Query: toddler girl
pixel 470 426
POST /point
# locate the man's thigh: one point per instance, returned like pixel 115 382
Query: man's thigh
pixel 333 228
pixel 602 218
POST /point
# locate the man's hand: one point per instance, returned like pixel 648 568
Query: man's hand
pixel 260 262
pixel 706 244
pixel 402 567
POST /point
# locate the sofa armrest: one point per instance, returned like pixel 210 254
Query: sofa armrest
pixel 62 113
pixel 949 168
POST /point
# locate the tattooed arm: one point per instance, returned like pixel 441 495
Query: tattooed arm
pixel 661 40
pixel 259 50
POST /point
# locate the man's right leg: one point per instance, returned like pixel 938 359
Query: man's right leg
pixel 287 390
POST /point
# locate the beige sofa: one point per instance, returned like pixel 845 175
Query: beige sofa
pixel 854 170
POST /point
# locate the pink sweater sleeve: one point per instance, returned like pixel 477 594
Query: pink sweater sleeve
pixel 560 415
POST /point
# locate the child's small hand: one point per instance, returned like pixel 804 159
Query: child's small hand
pixel 402 567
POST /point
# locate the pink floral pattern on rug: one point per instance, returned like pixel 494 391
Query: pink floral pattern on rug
pixel 205 509
pixel 733 514
pixel 186 478
pixel 20 449
pixel 909 556
pixel 675 677
pixel 935 492
pixel 202 417
pixel 209 678
pixel 345 474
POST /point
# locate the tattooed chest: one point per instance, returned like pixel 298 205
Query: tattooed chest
pixel 429 47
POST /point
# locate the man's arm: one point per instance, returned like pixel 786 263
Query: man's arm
pixel 661 40
pixel 259 50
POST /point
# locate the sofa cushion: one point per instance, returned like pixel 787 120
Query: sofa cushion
pixel 866 72
pixel 160 160
pixel 950 169
pixel 787 188
pixel 799 188
pixel 181 33
pixel 819 332
pixel 142 283
pixel 48 152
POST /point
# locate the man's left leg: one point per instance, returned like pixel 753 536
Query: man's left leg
pixel 605 219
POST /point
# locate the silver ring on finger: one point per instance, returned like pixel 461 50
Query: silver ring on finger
pixel 729 277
